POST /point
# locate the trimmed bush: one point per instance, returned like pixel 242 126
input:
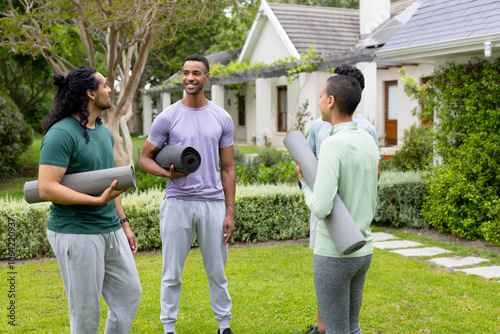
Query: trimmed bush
pixel 262 213
pixel 400 198
pixel 29 222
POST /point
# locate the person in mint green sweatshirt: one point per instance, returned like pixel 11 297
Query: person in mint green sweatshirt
pixel 347 164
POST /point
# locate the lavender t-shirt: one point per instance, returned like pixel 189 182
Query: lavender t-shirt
pixel 206 129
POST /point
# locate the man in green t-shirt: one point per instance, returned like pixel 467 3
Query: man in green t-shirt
pixel 89 234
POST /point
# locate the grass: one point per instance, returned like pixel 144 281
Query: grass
pixel 273 292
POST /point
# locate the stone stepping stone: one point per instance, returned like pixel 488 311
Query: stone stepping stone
pixel 381 236
pixel 457 261
pixel 426 251
pixel 396 244
pixel 488 272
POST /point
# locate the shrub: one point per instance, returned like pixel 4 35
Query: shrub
pixel 262 213
pixel 464 191
pixel 146 181
pixel 15 136
pixel 29 223
pixel 269 167
pixel 270 157
pixel 270 212
pixel 239 156
pixel 416 152
pixel 400 198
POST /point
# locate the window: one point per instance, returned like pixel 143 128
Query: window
pixel 282 108
pixel 241 110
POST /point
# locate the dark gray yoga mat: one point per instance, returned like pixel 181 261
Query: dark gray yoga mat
pixel 184 158
pixel 92 182
pixel 344 232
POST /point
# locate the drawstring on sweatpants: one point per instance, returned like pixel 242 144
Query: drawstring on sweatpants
pixel 113 240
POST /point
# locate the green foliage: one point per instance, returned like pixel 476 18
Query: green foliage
pixel 464 190
pixel 269 167
pixel 270 212
pixel 27 81
pixel 239 156
pixel 400 198
pixel 29 223
pixel 15 136
pixel 146 181
pixel 417 150
pixel 305 64
pixel 261 213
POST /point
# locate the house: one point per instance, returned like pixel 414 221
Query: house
pixel 264 102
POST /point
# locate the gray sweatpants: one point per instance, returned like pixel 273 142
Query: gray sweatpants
pixel 339 290
pixel 95 264
pixel 180 220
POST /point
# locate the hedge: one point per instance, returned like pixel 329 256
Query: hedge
pixel 263 212
pixel 400 199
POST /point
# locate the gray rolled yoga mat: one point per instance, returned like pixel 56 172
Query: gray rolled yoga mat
pixel 344 232
pixel 184 158
pixel 92 182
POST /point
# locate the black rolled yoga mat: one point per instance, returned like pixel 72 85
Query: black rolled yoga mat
pixel 344 232
pixel 184 158
pixel 92 182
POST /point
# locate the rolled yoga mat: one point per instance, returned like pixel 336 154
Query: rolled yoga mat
pixel 184 158
pixel 92 182
pixel 344 232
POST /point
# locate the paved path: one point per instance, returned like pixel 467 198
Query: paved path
pixel 475 265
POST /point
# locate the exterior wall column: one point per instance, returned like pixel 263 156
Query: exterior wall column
pixel 264 110
pixel 166 100
pixel 147 111
pixel 217 92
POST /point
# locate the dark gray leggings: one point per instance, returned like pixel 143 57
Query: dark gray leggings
pixel 339 290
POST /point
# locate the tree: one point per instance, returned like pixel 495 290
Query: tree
pixel 27 82
pixel 120 32
pixel 15 136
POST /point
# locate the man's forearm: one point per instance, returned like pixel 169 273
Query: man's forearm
pixel 228 179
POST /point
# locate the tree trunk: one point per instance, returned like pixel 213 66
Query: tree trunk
pixel 122 149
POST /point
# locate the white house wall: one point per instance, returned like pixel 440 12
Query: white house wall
pixel 269 46
pixel 367 105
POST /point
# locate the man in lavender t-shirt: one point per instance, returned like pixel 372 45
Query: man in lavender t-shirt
pixel 199 203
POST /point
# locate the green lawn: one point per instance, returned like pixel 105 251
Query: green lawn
pixel 273 292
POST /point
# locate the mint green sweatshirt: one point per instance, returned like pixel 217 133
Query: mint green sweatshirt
pixel 347 164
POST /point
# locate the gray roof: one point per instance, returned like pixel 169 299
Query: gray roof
pixel 331 30
pixel 445 20
pixel 223 57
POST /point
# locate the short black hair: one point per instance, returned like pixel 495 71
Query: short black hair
pixel 346 91
pixel 199 58
pixel 352 71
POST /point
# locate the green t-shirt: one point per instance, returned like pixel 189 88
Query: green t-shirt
pixel 64 146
